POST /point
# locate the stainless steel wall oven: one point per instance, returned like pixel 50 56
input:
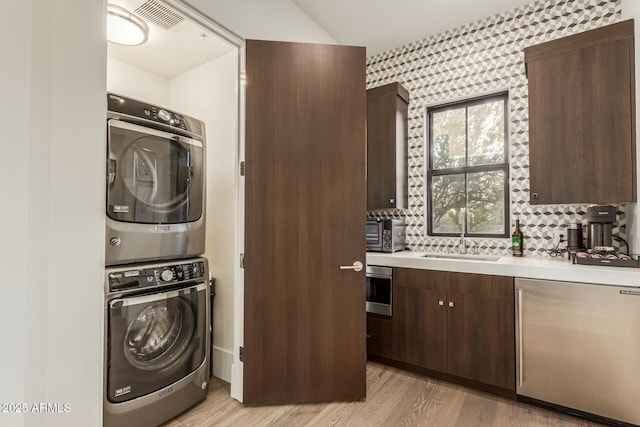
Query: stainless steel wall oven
pixel 155 183
pixel 379 290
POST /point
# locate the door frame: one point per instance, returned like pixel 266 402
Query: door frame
pixel 238 244
pixel 237 368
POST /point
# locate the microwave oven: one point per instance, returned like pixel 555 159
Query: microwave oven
pixel 386 235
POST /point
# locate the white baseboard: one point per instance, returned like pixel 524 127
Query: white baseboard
pixel 222 361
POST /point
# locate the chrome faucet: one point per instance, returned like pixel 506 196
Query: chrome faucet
pixel 462 244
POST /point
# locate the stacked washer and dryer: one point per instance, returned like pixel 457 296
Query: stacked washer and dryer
pixel 157 304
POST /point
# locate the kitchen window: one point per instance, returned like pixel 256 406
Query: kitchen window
pixel 468 169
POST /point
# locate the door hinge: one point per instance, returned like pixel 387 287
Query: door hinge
pixel 241 260
pixel 241 354
pixel 242 168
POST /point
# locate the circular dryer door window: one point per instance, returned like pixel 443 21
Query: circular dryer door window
pixel 159 335
pixel 154 177
pixel 158 172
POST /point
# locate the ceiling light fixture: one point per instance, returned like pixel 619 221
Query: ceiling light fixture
pixel 125 28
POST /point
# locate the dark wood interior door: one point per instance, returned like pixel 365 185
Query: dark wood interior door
pixel 304 338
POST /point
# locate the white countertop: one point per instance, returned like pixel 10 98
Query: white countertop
pixel 526 267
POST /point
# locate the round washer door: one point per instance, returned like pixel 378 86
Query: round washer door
pixel 159 335
pixel 155 340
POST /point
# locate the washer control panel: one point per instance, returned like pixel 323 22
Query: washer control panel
pixel 140 277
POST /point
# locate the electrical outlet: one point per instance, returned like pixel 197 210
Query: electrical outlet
pixel 559 235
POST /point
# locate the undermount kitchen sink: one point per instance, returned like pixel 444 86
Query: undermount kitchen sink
pixel 466 257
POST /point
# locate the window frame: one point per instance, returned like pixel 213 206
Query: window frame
pixel 465 170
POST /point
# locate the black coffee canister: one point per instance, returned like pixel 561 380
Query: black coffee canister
pixel 574 237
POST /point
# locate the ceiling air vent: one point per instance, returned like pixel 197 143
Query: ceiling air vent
pixel 159 14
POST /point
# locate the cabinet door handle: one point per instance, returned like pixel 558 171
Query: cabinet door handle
pixel 368 336
pixel 392 201
pixel 450 303
pixel 440 302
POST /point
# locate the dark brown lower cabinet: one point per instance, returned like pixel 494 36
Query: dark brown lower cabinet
pixel 379 339
pixel 457 324
pixel 481 329
pixel 419 323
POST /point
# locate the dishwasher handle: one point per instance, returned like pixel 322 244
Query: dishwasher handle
pixel 520 339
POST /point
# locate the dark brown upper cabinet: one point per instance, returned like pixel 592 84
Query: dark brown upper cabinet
pixel 387 108
pixel 379 336
pixel 582 117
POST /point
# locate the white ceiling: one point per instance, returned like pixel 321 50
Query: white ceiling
pixel 279 20
pixel 169 53
pixel 381 25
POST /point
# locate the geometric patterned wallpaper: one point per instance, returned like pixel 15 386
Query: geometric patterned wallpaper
pixel 482 57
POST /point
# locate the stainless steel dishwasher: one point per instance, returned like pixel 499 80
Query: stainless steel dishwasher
pixel 578 346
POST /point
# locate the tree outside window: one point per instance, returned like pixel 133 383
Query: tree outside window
pixel 468 171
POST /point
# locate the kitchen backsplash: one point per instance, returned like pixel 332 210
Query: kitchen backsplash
pixel 475 59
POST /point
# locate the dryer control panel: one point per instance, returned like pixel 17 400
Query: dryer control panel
pixel 153 114
pixel 145 276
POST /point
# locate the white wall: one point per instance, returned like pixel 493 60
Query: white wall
pixel 266 20
pixel 52 179
pixel 210 93
pixel 631 10
pixel 128 80
pixel 15 105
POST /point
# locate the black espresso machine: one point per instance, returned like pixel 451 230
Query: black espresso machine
pixel 600 219
pixel 599 242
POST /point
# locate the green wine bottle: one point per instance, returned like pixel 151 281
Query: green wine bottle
pixel 517 239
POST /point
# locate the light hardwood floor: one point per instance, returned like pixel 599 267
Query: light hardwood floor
pixel 394 398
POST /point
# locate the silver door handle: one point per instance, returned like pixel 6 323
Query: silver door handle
pixel 357 266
